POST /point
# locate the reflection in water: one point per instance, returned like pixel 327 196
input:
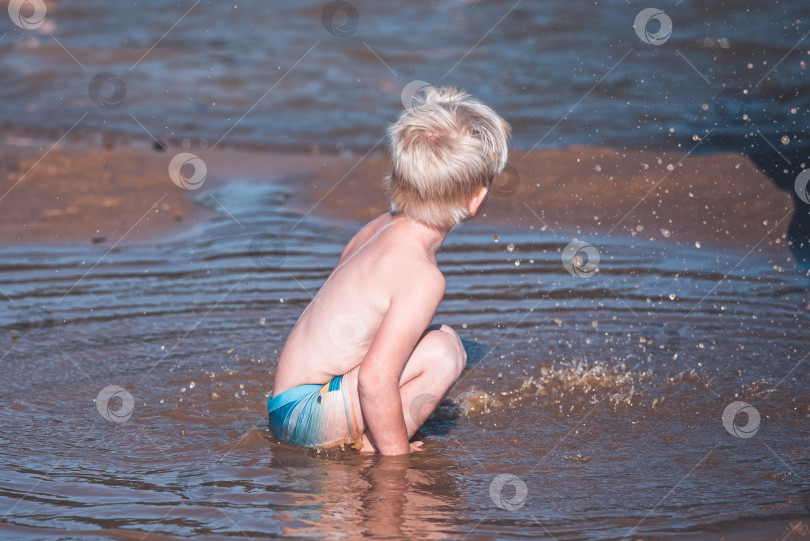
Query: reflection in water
pixel 344 494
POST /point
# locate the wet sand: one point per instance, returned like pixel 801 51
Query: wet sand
pixel 77 194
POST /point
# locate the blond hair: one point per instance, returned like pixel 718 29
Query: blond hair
pixel 444 149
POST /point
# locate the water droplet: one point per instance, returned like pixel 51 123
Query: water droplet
pixel 665 232
pixel 670 167
pixel 785 140
pixel 510 247
pixel 697 244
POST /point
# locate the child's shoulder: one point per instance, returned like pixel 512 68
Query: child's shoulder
pixel 363 236
pixel 374 226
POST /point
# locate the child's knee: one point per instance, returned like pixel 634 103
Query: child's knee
pixel 452 350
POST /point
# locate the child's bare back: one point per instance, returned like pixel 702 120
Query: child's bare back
pixel 363 364
pixel 335 331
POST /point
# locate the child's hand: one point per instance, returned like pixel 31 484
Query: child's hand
pixel 367 446
pixel 416 446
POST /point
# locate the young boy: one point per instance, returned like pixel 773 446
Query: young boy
pixel 363 364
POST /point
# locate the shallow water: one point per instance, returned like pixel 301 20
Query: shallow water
pixel 269 74
pixel 604 396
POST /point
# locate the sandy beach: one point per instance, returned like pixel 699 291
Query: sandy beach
pixel 79 194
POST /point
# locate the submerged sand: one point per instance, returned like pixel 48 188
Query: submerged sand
pixel 76 194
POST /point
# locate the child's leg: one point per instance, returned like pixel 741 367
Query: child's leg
pixel 435 365
pixel 433 368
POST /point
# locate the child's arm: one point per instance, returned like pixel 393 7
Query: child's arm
pixel 410 312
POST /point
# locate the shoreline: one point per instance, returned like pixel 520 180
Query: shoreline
pixel 78 195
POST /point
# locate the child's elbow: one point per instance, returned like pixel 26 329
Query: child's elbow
pixel 371 382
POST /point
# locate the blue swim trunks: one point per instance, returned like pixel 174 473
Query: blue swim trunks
pixel 314 415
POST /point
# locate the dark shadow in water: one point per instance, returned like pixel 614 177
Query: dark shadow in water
pixel 740 124
pixel 782 166
pixel 476 351
pixel 441 423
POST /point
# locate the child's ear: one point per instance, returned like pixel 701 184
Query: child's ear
pixel 478 200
